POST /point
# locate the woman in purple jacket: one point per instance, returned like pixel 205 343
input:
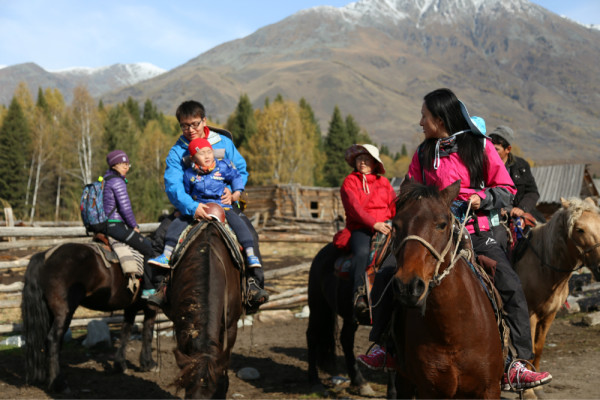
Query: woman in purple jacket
pixel 121 222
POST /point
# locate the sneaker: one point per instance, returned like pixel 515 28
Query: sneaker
pixel 146 293
pixel 377 359
pixel 523 378
pixel 161 261
pixel 256 295
pixel 253 262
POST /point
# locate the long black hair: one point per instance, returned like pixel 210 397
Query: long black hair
pixel 443 104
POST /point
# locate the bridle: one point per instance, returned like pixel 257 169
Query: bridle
pixel 440 257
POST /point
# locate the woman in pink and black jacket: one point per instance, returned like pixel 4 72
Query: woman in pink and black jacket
pixel 456 148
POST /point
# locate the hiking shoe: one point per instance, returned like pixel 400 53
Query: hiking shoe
pixel 377 359
pixel 157 298
pixel 161 261
pixel 256 295
pixel 519 377
pixel 253 262
pixel 146 293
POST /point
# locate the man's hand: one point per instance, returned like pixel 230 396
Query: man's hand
pixel 382 227
pixel 475 201
pixel 236 195
pixel 201 212
pixel 517 212
pixel 226 198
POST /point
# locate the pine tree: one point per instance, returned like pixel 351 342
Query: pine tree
pixel 403 152
pixel 313 132
pixel 15 140
pixel 242 123
pixel 336 144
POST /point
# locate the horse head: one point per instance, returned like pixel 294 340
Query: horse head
pixel 423 228
pixel 584 231
pixel 199 374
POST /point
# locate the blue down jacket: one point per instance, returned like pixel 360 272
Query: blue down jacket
pixel 115 194
pixel 209 187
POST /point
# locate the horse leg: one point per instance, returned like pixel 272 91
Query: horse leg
pixel 56 380
pixel 147 363
pixel 347 341
pixel 120 355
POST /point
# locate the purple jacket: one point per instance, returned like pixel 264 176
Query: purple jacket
pixel 115 193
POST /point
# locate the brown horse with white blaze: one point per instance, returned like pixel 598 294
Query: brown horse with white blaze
pixel 444 327
pixel 570 239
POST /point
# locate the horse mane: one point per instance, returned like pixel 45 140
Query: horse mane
pixel 194 322
pixel 415 191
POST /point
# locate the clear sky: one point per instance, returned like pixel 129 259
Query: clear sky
pixel 58 34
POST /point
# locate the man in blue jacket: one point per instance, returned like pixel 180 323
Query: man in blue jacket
pixel 192 120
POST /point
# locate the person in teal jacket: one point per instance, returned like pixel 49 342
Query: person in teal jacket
pixel 191 115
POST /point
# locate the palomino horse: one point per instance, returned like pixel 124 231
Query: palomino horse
pixel 73 275
pixel 443 324
pixel 554 250
pixel 328 297
pixel 205 303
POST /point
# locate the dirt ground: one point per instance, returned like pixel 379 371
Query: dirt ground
pixel 278 351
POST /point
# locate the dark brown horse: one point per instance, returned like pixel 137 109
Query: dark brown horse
pixel 328 297
pixel 444 326
pixel 74 275
pixel 205 303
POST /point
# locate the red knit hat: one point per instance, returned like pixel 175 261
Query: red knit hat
pixel 197 144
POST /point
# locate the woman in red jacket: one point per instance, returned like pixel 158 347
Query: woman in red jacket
pixel 368 199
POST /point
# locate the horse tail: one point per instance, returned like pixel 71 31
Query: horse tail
pixel 36 321
pixel 322 321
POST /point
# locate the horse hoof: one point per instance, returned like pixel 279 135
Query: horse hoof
pixel 149 367
pixel 366 390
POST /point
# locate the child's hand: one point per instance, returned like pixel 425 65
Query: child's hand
pixel 226 196
pixel 236 195
pixel 475 201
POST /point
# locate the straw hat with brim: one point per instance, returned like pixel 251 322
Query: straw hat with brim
pixel 476 124
pixel 357 149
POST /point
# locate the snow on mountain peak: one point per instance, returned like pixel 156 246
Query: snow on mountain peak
pixel 128 74
pixel 420 11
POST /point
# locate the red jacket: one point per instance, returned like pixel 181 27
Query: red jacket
pixel 367 199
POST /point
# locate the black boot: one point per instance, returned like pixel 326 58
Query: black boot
pixel 256 295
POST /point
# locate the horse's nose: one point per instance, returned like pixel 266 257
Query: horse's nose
pixel 416 287
pixel 410 293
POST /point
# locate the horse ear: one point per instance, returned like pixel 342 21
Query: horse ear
pixel 451 192
pixel 590 201
pixel 565 203
pixel 406 181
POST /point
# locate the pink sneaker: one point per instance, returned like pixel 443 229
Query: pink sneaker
pixel 523 378
pixel 377 359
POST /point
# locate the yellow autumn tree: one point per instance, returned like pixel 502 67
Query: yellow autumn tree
pixel 282 151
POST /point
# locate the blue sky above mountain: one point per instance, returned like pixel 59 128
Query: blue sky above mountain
pixel 68 33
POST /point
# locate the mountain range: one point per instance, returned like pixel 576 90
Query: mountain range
pixel 511 61
pixel 97 80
